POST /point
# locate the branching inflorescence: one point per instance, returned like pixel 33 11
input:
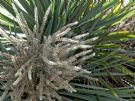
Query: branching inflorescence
pixel 39 70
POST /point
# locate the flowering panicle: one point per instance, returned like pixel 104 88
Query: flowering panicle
pixel 39 70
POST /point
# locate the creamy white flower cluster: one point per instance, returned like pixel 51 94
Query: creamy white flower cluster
pixel 40 69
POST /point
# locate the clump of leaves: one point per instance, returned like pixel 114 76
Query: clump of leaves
pixel 99 18
pixel 40 68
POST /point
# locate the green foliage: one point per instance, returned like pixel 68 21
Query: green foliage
pixel 111 78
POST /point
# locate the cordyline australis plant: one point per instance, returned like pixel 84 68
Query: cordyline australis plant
pixel 40 68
